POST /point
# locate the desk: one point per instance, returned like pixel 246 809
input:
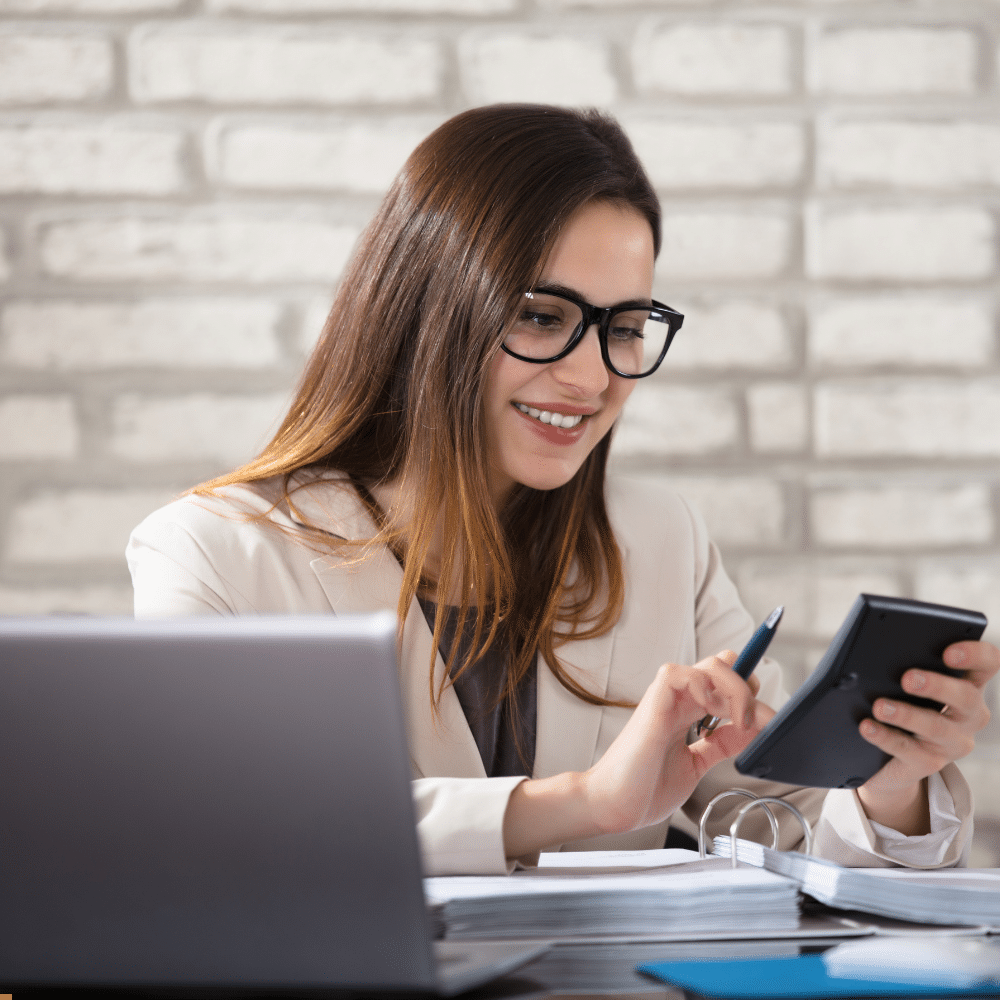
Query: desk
pixel 608 970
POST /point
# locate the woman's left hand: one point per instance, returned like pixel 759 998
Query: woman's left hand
pixel 896 796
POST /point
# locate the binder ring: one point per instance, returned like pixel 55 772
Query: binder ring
pixel 702 837
pixel 769 800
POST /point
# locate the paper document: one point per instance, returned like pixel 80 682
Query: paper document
pixel 955 896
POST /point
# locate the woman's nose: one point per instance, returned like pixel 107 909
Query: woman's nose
pixel 583 369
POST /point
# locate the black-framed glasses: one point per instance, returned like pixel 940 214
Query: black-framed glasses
pixel 634 337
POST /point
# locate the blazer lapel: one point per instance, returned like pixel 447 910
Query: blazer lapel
pixel 441 743
pixel 567 727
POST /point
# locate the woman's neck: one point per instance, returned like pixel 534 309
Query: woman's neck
pixel 399 507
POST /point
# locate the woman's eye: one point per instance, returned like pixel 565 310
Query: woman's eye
pixel 540 320
pixel 624 332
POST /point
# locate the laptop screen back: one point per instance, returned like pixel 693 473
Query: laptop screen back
pixel 197 801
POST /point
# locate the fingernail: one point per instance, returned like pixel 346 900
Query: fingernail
pixel 886 709
pixel 868 728
pixel 916 680
pixel 954 656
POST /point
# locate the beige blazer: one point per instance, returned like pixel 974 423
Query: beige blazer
pixel 216 555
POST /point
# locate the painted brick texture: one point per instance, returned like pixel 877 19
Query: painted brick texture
pixel 182 182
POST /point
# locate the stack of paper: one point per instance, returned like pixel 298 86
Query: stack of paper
pixel 704 898
pixel 944 896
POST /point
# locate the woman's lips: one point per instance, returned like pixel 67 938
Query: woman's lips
pixel 552 432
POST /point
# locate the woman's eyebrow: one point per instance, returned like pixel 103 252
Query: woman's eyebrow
pixel 554 288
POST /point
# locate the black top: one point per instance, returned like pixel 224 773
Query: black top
pixel 498 732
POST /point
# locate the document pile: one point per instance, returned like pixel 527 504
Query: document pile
pixel 948 896
pixel 567 895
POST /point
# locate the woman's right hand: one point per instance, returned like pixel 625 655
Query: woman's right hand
pixel 650 770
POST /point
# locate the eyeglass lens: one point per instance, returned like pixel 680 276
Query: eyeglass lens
pixel 547 323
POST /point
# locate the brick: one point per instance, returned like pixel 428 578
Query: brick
pixel 39 66
pixel 279 65
pixel 696 155
pixel 899 244
pixel 746 335
pixel 778 415
pixel 314 315
pixel 196 247
pixel 285 7
pixel 902 515
pixel 923 418
pixel 894 60
pixel 935 156
pixel 75 160
pixel 740 511
pixel 615 4
pixel 969 583
pixel 163 333
pixel 817 594
pixel 38 427
pixel 676 420
pixel 723 244
pixel 363 157
pixel 93 600
pixel 75 526
pixel 554 69
pixel 227 429
pixel 736 59
pixel 901 331
pixel 88 6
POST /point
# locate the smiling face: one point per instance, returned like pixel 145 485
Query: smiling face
pixel 544 420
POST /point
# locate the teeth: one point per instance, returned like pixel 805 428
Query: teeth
pixel 565 420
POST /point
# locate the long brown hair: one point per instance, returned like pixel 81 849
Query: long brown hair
pixel 394 389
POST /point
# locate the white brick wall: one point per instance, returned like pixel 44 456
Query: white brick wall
pixel 113 158
pixel 879 243
pixel 77 525
pixel 880 517
pixel 902 331
pixel 894 60
pixel 926 418
pixel 226 429
pixel 778 414
pixel 182 181
pixel 664 420
pixel 191 333
pixel 38 427
pixel 937 156
pixel 740 334
pixel 700 58
pixel 347 156
pixel 39 66
pixel 696 154
pixel 723 243
pixel 280 65
pixel 559 69
pixel 219 247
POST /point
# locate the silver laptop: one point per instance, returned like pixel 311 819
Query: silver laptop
pixel 223 802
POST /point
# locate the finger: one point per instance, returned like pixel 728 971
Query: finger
pixel 979 660
pixel 962 697
pixel 926 728
pixel 732 696
pixel 914 758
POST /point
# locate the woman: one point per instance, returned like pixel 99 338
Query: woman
pixel 445 457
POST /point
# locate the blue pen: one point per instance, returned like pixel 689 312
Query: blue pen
pixel 748 659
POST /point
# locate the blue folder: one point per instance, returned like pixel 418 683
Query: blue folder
pixel 802 976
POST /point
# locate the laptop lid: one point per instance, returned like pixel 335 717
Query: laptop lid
pixel 202 802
